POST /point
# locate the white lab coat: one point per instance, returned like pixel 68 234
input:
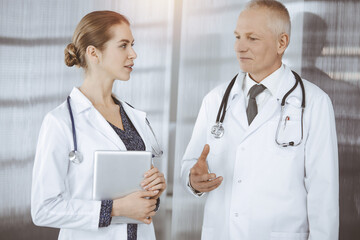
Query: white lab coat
pixel 61 190
pixel 269 192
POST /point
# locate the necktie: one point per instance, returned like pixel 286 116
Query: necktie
pixel 252 106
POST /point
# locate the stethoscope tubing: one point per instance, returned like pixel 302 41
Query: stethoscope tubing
pixel 72 123
pixel 222 111
pixel 224 101
pixel 75 156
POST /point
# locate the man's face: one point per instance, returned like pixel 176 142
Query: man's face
pixel 256 44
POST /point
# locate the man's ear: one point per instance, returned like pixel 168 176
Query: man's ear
pixel 283 42
pixel 92 54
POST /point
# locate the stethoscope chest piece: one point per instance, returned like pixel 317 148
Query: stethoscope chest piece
pixel 217 130
pixel 75 157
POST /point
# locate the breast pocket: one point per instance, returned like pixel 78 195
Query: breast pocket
pixel 286 134
pixel 289 129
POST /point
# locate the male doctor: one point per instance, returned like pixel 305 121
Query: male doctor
pixel 257 189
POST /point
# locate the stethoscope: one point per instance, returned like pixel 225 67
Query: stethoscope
pixel 76 157
pixel 218 130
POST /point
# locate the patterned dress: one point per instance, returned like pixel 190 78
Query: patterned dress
pixel 133 142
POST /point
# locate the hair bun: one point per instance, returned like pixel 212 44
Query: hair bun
pixel 71 57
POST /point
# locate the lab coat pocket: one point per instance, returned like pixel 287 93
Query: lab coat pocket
pixel 289 129
pixel 289 236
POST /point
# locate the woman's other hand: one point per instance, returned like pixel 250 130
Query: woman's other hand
pixel 138 205
pixel 154 180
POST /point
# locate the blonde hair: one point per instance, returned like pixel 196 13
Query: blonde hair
pixel 280 17
pixel 93 29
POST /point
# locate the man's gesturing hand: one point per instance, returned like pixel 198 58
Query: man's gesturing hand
pixel 200 178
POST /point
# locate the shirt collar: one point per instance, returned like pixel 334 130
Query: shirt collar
pixel 271 82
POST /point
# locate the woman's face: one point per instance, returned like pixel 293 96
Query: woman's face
pixel 117 58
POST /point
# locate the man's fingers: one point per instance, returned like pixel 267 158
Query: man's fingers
pixel 203 177
pixel 213 187
pixel 204 153
pixel 208 185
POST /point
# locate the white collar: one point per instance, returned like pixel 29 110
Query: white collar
pixel 271 82
pixel 82 103
pixel 284 81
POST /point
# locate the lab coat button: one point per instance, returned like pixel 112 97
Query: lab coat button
pixel 239 181
pixel 242 149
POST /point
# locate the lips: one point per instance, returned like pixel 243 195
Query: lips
pixel 130 66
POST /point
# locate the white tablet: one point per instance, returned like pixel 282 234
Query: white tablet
pixel 119 173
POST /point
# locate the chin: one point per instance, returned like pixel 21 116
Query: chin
pixel 123 77
pixel 245 67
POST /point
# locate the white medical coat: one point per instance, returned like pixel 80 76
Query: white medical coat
pixel 61 190
pixel 269 192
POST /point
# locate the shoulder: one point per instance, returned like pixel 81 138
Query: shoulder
pixel 314 94
pixel 59 115
pixel 216 94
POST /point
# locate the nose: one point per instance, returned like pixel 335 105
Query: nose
pixel 132 54
pixel 240 45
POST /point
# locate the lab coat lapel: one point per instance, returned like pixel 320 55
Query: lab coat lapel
pixel 237 106
pixel 268 111
pixel 82 105
pixel 273 104
pixel 138 119
pixel 101 124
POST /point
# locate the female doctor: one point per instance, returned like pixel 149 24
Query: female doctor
pixel 102 45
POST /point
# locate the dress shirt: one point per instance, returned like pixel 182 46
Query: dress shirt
pixel 271 83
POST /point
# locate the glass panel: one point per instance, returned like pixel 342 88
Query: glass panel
pixel 331 55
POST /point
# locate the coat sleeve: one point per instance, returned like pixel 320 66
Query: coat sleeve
pixel 321 170
pixel 194 148
pixel 51 204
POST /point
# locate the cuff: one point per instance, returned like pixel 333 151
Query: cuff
pixel 157 205
pixel 105 213
pixel 197 193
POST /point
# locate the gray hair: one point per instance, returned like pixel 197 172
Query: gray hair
pixel 280 17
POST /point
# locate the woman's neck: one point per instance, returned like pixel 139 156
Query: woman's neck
pixel 98 90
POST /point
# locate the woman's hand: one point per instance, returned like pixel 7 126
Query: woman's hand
pixel 154 180
pixel 138 205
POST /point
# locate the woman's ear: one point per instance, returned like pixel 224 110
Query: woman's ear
pixel 92 54
pixel 283 42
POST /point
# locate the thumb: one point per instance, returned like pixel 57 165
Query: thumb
pixel 204 153
pixel 144 194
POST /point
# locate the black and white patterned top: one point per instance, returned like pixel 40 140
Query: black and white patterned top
pixel 133 142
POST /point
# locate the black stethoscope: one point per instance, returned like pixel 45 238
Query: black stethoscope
pixel 76 157
pixel 218 130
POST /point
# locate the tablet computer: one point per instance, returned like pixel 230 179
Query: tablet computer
pixel 119 173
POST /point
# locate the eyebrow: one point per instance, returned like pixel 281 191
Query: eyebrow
pixel 125 40
pixel 248 34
